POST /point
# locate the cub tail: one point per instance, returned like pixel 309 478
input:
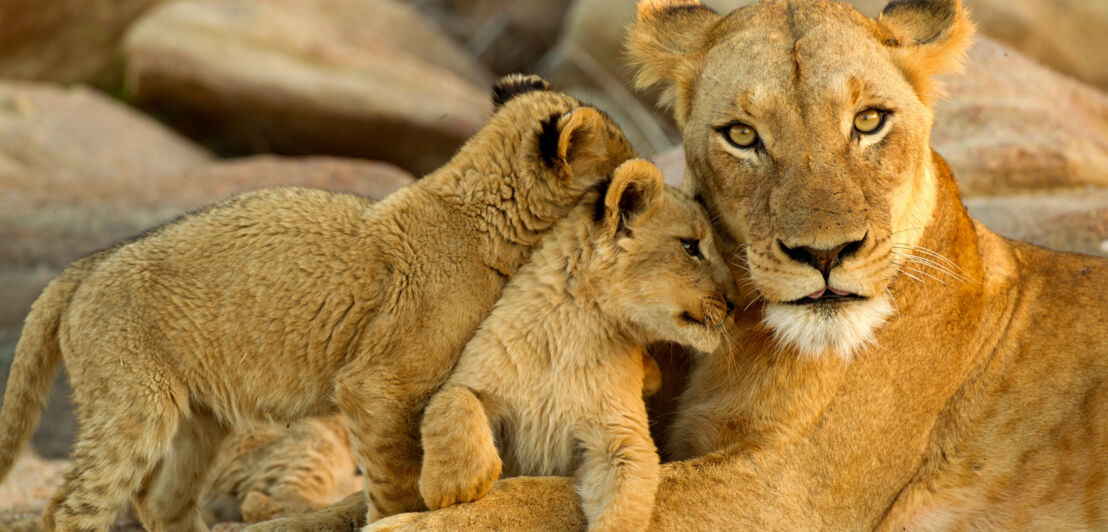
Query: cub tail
pixel 37 356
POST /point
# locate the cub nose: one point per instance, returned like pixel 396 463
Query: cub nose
pixel 822 259
pixel 730 306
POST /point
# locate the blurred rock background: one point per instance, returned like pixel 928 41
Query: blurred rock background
pixel 116 115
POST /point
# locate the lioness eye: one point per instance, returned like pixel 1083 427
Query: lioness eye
pixel 692 247
pixel 869 121
pixel 741 136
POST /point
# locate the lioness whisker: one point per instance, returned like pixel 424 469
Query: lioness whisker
pixel 949 264
pixel 910 276
pixel 923 261
pixel 893 298
pixel 932 253
pixel 907 229
pixel 925 274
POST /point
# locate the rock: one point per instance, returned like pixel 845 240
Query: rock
pixel 1067 221
pixel 47 221
pixel 507 35
pixel 67 41
pixel 78 132
pixel 1012 125
pixel 672 164
pixel 306 76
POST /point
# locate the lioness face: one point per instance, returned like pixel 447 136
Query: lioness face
pixel 665 273
pixel 808 140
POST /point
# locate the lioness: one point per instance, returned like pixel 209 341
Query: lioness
pixel 899 365
pixel 553 378
pixel 289 302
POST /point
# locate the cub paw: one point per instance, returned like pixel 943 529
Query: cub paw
pixel 257 507
pixel 444 482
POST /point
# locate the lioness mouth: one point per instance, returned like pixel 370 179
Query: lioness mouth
pixel 826 295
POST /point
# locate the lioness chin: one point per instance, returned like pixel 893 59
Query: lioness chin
pixel 980 402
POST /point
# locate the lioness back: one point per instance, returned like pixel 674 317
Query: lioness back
pixel 285 303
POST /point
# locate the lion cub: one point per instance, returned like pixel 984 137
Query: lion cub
pixel 285 303
pixel 553 378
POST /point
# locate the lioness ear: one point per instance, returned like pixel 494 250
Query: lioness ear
pixel 584 142
pixel 659 45
pixel 927 38
pixel 635 191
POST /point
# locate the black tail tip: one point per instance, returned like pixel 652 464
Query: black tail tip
pixel 513 85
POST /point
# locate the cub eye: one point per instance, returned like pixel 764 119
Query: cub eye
pixel 692 247
pixel 741 136
pixel 869 121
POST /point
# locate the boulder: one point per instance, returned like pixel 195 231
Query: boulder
pixel 67 41
pixel 1068 221
pixel 47 221
pixel 78 132
pixel 507 35
pixel 1012 125
pixel 341 77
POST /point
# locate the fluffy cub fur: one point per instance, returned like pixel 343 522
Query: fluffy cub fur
pixel 286 303
pixel 553 378
pixel 267 471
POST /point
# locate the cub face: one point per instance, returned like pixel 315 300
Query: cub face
pixel 806 129
pixel 663 271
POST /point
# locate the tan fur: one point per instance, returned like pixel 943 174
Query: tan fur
pixel 285 303
pixel 979 403
pixel 272 471
pixel 553 378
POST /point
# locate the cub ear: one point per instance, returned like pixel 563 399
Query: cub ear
pixel 513 85
pixel 583 142
pixel 660 44
pixel 635 192
pixel 927 38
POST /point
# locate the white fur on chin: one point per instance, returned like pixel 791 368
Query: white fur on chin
pixel 815 331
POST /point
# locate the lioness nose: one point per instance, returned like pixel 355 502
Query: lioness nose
pixel 822 259
pixel 730 306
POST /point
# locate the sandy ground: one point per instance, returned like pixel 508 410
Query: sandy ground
pixel 27 490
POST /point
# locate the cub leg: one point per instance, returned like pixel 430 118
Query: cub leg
pixel 619 475
pixel 112 456
pixel 382 411
pixel 460 461
pixel 169 496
